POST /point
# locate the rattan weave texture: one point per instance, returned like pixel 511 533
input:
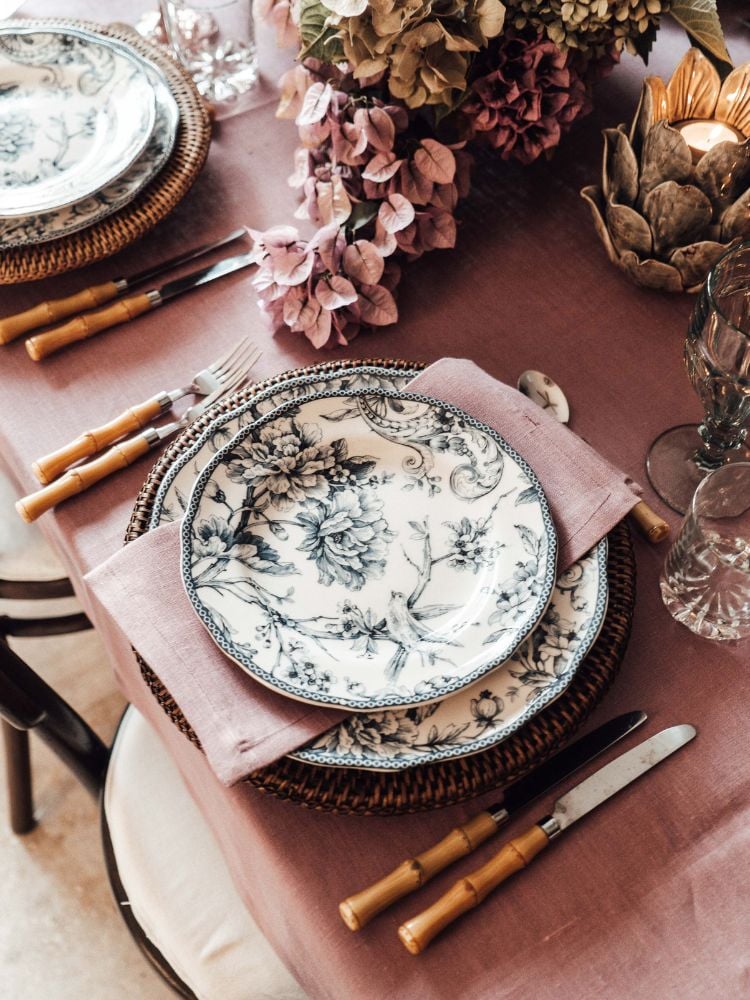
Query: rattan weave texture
pixel 152 204
pixel 447 783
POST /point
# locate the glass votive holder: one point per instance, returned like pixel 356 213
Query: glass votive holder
pixel 215 42
pixel 705 583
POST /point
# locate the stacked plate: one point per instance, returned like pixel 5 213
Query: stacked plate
pixel 85 123
pixel 350 543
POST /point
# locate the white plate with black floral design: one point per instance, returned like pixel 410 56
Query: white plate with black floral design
pixel 75 112
pixel 171 500
pixel 466 723
pixel 348 512
pixel 52 225
pixel 491 709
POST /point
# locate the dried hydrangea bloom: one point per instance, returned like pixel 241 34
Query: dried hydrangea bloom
pixel 592 26
pixel 531 95
pixel 426 69
pixel 426 47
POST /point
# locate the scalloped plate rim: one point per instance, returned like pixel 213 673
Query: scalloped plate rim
pixel 282 687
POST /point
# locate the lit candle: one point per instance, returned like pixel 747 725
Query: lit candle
pixel 702 135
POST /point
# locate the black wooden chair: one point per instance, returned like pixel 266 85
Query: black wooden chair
pixel 195 931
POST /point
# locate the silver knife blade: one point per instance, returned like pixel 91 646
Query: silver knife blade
pixel 564 763
pixel 190 281
pixel 167 265
pixel 616 775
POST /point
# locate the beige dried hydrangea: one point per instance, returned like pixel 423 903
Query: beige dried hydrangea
pixel 592 26
pixel 426 46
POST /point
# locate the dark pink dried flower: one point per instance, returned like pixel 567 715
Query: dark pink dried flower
pixel 534 93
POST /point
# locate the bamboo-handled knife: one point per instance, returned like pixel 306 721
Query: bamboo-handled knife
pixel 123 310
pixel 54 310
pixel 469 892
pixel 359 909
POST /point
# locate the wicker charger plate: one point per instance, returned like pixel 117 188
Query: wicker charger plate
pixel 436 785
pixel 153 203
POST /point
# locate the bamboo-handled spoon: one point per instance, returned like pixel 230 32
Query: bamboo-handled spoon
pixel 547 394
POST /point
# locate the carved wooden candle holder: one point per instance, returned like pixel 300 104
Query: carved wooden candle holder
pixel 675 192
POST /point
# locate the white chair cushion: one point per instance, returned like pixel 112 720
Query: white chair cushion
pixel 176 879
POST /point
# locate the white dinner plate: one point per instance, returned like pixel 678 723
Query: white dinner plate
pixel 486 713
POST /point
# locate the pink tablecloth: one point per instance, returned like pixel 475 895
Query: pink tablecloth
pixel 649 897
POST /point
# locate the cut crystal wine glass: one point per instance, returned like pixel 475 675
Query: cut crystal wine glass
pixel 717 354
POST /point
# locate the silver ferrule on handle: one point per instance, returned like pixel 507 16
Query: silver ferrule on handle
pixel 152 436
pixel 154 297
pixel 166 399
pixel 550 826
pixel 121 284
pixel 501 816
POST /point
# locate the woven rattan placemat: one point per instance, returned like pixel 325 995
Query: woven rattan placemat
pixel 431 786
pixel 153 203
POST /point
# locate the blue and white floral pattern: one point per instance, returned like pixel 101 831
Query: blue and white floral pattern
pixel 93 111
pixel 383 733
pixel 324 485
pixel 171 499
pixel 490 710
pixel 16 135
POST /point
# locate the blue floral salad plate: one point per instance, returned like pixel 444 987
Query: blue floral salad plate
pixel 67 219
pixel 371 549
pixel 76 112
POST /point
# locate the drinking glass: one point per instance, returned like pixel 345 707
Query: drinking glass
pixel 705 582
pixel 215 41
pixel 717 354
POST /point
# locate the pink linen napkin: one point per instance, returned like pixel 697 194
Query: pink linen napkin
pixel 587 495
pixel 241 724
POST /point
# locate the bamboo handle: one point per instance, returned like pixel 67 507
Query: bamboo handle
pixel 87 325
pixel 49 467
pixel 648 522
pixel 77 480
pixel 359 909
pixel 469 892
pixel 56 309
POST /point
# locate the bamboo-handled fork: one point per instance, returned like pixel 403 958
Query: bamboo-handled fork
pixel 242 356
pixel 81 477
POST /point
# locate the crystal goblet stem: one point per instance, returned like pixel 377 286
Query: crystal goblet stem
pixel 717 354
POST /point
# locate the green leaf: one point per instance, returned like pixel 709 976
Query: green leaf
pixel 320 40
pixel 700 19
pixel 362 213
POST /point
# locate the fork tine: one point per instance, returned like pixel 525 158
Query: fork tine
pixel 244 363
pixel 226 359
pixel 238 359
pixel 241 372
pixel 236 379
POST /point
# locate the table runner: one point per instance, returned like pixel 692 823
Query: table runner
pixel 649 897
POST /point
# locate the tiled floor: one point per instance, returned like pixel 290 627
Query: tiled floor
pixel 61 937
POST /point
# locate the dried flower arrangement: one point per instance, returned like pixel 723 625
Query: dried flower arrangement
pixel 390 95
